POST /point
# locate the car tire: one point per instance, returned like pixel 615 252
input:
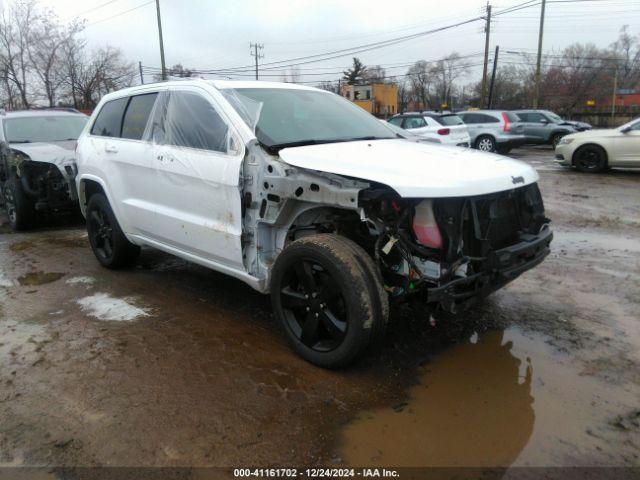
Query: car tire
pixel 19 207
pixel 486 143
pixel 590 159
pixel 329 300
pixel 555 139
pixel 109 244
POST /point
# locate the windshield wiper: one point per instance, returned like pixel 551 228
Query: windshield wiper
pixel 19 141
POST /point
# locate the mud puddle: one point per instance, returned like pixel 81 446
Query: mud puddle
pixel 503 398
pixel 33 279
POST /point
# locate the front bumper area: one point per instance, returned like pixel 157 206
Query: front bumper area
pixel 502 266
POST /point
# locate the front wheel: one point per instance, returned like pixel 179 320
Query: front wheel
pixel 555 139
pixel 19 207
pixel 330 303
pixel 109 244
pixel 590 159
pixel 485 143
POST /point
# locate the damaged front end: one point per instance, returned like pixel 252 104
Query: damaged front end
pixel 49 183
pixel 451 251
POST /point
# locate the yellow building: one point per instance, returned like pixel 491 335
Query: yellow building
pixel 380 99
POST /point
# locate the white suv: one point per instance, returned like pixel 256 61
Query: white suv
pixel 300 193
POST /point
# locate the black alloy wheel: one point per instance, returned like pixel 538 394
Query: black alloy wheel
pixel 590 159
pixel 314 306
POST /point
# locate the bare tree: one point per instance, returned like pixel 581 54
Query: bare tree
pixel 375 74
pixel 626 51
pixel 420 78
pixel 16 31
pixel 445 73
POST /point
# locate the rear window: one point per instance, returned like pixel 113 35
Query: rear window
pixel 108 123
pixel 449 120
pixel 512 117
pixel 137 115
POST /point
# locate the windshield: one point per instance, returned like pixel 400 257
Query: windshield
pixel 290 117
pixel 49 128
pixel 554 117
pixel 449 120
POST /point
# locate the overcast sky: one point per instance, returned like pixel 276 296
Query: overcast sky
pixel 207 34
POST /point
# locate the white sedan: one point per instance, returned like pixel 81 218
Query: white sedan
pixel 596 150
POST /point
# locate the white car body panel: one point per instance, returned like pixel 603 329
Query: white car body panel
pixel 623 148
pixel 415 169
pixel 457 133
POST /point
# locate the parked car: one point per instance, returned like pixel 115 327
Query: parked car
pixel 494 130
pixel 402 133
pixel 448 128
pixel 543 127
pixel 37 163
pixel 298 192
pixel 596 150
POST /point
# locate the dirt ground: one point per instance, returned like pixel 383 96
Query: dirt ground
pixel 169 364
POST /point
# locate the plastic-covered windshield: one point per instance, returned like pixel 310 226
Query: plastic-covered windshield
pixel 286 117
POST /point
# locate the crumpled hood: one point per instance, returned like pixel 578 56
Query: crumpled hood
pixel 57 153
pixel 415 170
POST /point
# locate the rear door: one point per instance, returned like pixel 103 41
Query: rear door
pixel 197 191
pixel 419 125
pixel 537 127
pixel 125 159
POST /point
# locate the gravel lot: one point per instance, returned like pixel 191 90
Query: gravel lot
pixel 169 364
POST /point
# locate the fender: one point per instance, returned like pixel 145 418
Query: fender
pixel 82 200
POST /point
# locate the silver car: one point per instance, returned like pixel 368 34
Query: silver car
pixel 544 127
pixel 494 130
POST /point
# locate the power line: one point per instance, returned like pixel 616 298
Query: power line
pixel 89 10
pixel 121 13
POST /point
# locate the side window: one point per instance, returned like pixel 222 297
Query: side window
pixel 191 121
pixel 536 117
pixel 109 120
pixel 524 117
pixel 414 122
pixel 137 115
pixel 396 121
pixel 482 118
pixel 469 118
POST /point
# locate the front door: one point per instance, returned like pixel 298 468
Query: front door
pixel 197 199
pixel 627 147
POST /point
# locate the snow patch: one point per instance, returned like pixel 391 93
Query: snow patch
pixel 104 307
pixel 81 280
pixel 6 281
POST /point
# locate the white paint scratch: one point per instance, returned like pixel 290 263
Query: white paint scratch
pixel 104 307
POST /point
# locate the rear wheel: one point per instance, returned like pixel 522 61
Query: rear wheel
pixel 109 244
pixel 328 299
pixel 590 159
pixel 486 143
pixel 19 207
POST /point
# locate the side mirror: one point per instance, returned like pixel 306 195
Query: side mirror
pixel 544 121
pixel 625 130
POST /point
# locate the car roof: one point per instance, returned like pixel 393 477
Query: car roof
pixel 217 84
pixel 42 113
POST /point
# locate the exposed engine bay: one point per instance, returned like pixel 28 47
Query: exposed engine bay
pixel 443 251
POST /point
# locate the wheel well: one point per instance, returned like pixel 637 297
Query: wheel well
pixel 89 188
pixel 599 147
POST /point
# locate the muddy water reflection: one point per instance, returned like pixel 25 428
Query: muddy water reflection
pixel 473 407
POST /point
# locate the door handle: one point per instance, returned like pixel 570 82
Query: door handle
pixel 110 149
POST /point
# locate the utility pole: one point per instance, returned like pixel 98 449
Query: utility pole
pixel 536 98
pixel 487 33
pixel 141 76
pixel 162 64
pixel 613 100
pixel 253 51
pixel 493 75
